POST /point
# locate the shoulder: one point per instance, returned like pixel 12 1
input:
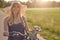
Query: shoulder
pixel 6 19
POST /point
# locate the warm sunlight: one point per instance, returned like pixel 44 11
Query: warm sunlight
pixel 57 0
pixel 40 0
pixel 50 0
pixel 23 0
pixel 44 0
pixel 17 0
pixel 6 0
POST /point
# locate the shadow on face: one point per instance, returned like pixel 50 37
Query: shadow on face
pixel 15 8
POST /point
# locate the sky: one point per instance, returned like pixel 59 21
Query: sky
pixel 41 0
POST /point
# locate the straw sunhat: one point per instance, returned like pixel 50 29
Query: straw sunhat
pixel 23 8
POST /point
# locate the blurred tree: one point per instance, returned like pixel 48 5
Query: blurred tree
pixel 1 3
pixel 53 4
pixel 58 4
pixel 34 3
pixel 4 3
pixel 7 4
pixel 29 4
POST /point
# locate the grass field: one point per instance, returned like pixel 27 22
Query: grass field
pixel 48 19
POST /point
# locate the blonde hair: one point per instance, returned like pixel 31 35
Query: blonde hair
pixel 19 6
pixel 20 14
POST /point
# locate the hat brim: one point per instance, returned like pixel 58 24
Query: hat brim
pixel 8 9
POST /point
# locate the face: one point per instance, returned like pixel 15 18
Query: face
pixel 15 9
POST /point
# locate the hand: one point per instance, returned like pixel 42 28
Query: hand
pixel 27 32
pixel 5 33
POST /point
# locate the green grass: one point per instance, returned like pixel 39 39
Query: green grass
pixel 48 19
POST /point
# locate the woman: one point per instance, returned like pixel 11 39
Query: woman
pixel 16 22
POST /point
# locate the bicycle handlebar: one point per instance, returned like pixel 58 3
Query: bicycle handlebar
pixel 14 33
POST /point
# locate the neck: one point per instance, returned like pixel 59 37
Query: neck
pixel 15 15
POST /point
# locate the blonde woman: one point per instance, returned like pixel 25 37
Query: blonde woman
pixel 15 25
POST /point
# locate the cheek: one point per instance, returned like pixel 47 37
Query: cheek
pixel 15 10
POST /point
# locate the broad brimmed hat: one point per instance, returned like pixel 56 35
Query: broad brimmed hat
pixel 8 9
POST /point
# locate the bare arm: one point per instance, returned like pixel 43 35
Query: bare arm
pixel 5 27
pixel 6 24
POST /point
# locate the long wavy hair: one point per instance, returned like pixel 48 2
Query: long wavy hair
pixel 20 14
